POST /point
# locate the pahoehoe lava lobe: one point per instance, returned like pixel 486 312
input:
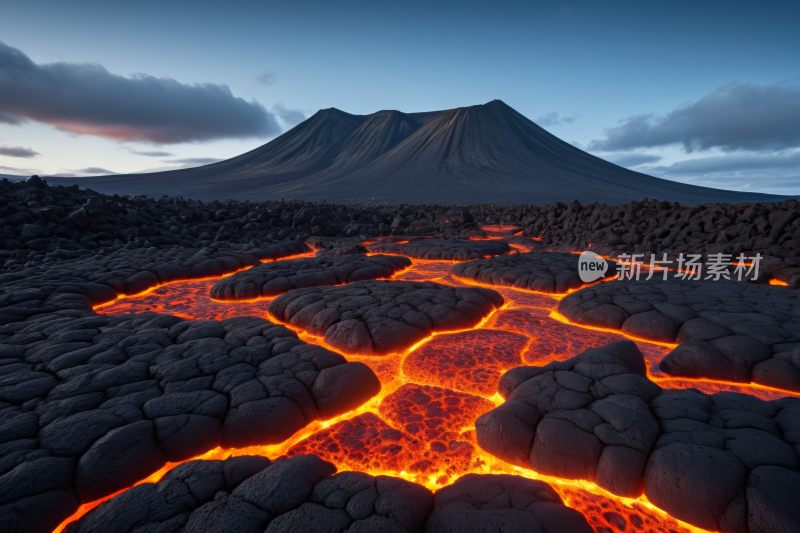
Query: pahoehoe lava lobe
pixel 91 404
pixel 502 503
pixel 550 272
pixel 442 249
pixel 381 317
pixel 480 154
pixel 249 494
pixel 722 462
pixel 271 279
pixel 727 330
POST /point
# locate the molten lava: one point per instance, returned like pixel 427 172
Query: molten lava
pixel 421 426
pixel 470 361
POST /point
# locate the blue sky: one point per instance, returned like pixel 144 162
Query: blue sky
pixel 706 93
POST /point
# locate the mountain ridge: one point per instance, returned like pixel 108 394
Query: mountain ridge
pixel 486 153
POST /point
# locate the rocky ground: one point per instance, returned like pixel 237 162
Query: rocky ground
pixel 726 330
pixel 91 403
pixel 722 462
pixel 555 273
pixel 272 279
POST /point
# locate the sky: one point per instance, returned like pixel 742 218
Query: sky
pixel 699 92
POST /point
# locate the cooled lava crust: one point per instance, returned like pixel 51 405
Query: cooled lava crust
pixel 380 317
pixel 272 279
pixel 726 330
pixel 722 462
pixel 548 272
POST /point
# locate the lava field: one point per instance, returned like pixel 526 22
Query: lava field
pixel 405 383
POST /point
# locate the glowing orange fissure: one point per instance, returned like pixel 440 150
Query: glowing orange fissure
pixel 418 427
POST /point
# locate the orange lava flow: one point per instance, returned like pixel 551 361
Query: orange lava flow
pixel 774 281
pixel 421 425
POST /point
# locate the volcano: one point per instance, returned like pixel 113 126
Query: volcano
pixel 486 153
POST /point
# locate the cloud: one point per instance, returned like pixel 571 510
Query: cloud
pixel 552 119
pixel 85 98
pixel 735 163
pixel 267 78
pixel 95 170
pixel 19 171
pixel 153 153
pixel 290 117
pixel 18 151
pixel 778 172
pixel 734 117
pixel 194 160
pixel 632 159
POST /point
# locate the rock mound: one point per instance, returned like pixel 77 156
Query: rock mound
pixel 708 460
pixel 381 317
pixel 249 494
pixel 549 272
pixel 272 279
pixel 91 404
pixel 727 330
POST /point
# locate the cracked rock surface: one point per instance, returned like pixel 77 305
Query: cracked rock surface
pixel 442 249
pixel 380 317
pixel 550 272
pixel 91 404
pixel 726 330
pixel 250 494
pixel 95 280
pixel 272 279
pixel 714 461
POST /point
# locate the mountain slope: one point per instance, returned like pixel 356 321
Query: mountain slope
pixel 480 154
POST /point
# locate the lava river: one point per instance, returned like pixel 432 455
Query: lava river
pixel 421 426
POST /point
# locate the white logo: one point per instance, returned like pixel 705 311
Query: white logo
pixel 591 267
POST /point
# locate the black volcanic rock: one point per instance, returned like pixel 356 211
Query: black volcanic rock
pixel 380 317
pixel 478 503
pixel 727 330
pixel 92 404
pixel 480 154
pixel 250 494
pixel 271 279
pixel 708 460
pixel 550 272
pixel 442 249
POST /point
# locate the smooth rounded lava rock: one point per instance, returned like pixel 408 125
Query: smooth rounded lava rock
pixel 381 317
pixel 272 279
pixel 549 272
pixel 708 460
pixel 726 330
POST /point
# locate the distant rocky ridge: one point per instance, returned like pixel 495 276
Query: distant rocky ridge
pixel 486 153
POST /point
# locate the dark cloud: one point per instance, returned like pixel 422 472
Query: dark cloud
pixel 290 117
pixel 777 173
pixel 267 78
pixel 632 160
pixel 154 153
pixel 95 170
pixel 194 160
pixel 18 151
pixel 734 117
pixel 18 171
pixel 87 99
pixel 553 119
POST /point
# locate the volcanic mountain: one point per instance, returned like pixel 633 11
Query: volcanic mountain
pixel 480 154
